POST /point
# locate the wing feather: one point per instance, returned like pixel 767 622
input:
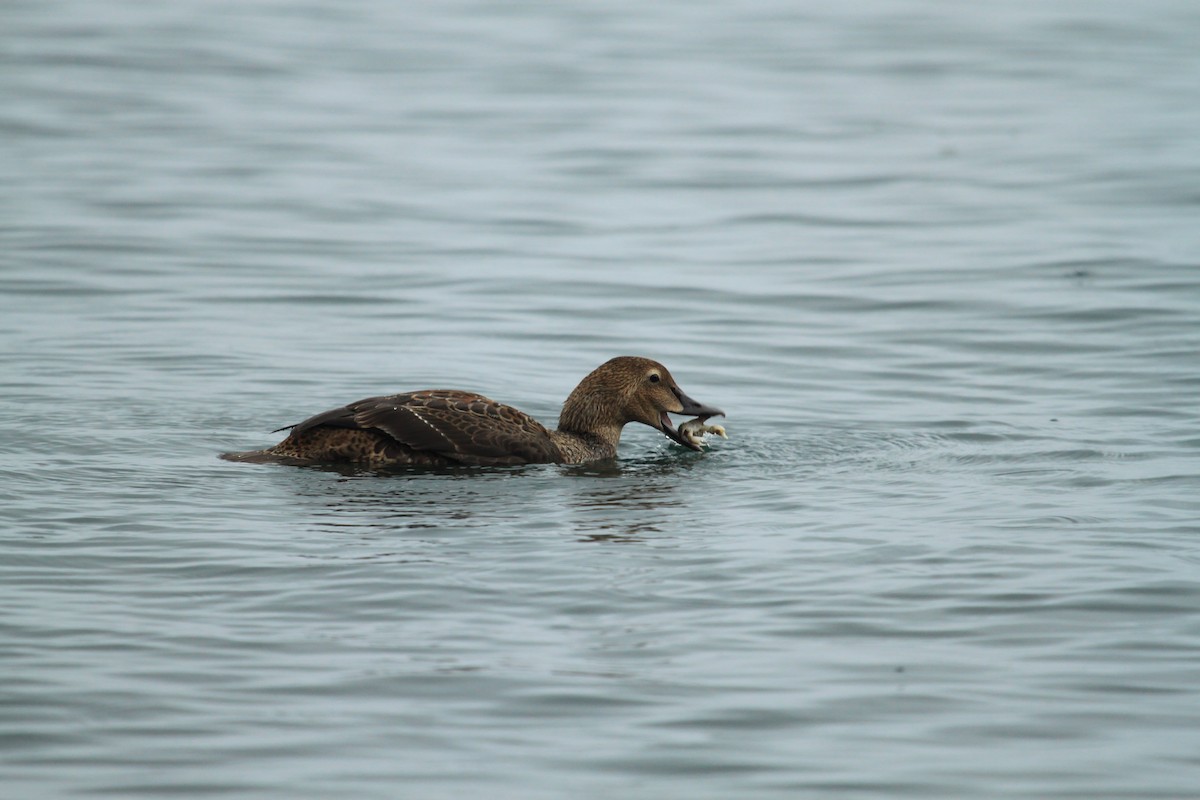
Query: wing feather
pixel 466 427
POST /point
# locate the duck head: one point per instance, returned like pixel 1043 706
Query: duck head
pixel 630 389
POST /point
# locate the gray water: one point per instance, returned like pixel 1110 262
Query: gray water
pixel 938 261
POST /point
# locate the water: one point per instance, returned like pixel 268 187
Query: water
pixel 938 261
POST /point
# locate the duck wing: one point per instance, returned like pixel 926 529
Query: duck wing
pixel 462 426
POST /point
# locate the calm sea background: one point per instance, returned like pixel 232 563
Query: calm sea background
pixel 939 261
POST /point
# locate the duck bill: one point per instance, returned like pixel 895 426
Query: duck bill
pixel 694 409
pixel 691 408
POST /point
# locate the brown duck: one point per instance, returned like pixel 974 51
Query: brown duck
pixel 444 427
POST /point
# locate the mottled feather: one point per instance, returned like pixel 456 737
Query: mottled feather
pixel 463 427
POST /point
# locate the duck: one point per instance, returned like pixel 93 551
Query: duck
pixel 448 427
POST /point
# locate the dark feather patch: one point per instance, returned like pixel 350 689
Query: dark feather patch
pixel 461 426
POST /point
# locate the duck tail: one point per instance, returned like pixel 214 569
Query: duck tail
pixel 252 457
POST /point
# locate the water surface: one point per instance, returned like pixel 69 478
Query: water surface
pixel 939 263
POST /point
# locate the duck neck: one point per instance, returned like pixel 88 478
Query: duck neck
pixel 579 447
pixel 584 424
pixel 592 418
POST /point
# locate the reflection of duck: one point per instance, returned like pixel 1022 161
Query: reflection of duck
pixel 443 427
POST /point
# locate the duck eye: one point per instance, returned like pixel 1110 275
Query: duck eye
pixel 654 378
